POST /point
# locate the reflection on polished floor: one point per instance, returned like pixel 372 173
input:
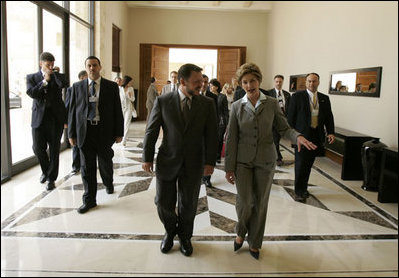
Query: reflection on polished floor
pixel 340 231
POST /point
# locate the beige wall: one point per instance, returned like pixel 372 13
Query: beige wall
pixel 330 36
pixel 195 27
pixel 106 14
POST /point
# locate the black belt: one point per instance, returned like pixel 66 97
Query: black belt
pixel 94 122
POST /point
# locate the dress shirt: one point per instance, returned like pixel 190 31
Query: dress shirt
pixel 182 97
pixel 97 87
pixel 245 100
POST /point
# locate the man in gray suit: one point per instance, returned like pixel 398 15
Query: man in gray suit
pixel 187 152
pixel 172 86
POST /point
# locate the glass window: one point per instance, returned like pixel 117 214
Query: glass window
pixel 79 48
pixel 81 9
pixel 22 41
pixel 52 38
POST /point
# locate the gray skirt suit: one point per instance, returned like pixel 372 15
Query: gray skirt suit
pixel 251 155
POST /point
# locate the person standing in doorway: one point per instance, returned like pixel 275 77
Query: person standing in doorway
pixel 173 84
pixel 126 93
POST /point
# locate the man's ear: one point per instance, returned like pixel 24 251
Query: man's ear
pixel 182 82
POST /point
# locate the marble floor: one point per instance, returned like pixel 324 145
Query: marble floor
pixel 340 231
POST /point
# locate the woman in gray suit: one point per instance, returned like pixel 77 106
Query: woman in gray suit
pixel 251 155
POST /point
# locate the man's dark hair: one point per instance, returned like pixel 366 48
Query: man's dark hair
pixel 81 73
pixel 318 76
pixel 205 76
pixel 126 80
pixel 185 71
pixel 47 56
pixel 152 79
pixel 216 83
pixel 279 76
pixel 93 57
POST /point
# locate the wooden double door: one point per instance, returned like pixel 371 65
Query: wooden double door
pixel 154 61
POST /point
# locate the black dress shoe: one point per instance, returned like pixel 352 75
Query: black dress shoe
pixel 300 198
pixel 279 162
pixel 208 183
pixel 167 243
pixel 237 245
pixel 109 189
pixel 50 185
pixel 43 178
pixel 254 254
pixel 185 247
pixel 85 207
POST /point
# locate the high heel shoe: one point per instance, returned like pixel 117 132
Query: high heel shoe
pixel 254 254
pixel 237 245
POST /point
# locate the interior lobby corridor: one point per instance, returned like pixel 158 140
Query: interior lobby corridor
pixel 341 230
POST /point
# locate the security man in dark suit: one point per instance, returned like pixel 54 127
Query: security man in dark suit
pixel 187 152
pixel 75 149
pixel 95 123
pixel 283 98
pixel 310 114
pixel 48 116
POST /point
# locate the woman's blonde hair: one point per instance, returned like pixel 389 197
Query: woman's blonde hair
pixel 248 68
pixel 225 87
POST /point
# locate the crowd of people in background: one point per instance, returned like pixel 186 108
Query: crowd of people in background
pixel 202 121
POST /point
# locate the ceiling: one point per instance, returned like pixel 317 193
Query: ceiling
pixel 242 6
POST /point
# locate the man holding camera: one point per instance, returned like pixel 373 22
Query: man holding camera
pixel 48 116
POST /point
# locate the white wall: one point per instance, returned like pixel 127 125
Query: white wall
pixel 196 28
pixel 329 36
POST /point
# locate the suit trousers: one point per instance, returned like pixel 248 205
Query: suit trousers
pixel 185 190
pixel 303 163
pixel 276 140
pixel 75 158
pixel 221 132
pixel 253 182
pixel 48 133
pixel 92 150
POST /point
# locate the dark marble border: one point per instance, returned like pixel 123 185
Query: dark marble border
pixel 195 274
pixel 353 193
pixel 195 237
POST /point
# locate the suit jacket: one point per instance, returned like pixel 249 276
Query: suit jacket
pixel 109 106
pixel 240 92
pixel 287 97
pixel 215 99
pixel 250 135
pixel 223 110
pixel 300 117
pixel 152 94
pixel 168 88
pixel 191 145
pixel 46 97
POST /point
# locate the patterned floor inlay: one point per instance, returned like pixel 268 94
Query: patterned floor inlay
pixel 222 223
pixel 39 213
pixel 368 216
pixel 80 186
pixel 135 187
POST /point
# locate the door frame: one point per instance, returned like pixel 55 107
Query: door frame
pixel 145 64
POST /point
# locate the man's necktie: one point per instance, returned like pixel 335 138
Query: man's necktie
pixel 186 110
pixel 280 101
pixel 315 118
pixel 173 87
pixel 92 105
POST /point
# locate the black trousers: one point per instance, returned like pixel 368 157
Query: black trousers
pixel 185 190
pixel 93 149
pixel 276 140
pixel 75 158
pixel 48 134
pixel 221 132
pixel 304 161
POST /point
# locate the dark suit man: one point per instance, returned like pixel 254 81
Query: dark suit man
pixel 206 92
pixel 95 123
pixel 187 152
pixel 283 98
pixel 48 116
pixel 309 112
pixel 75 149
pixel 239 93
